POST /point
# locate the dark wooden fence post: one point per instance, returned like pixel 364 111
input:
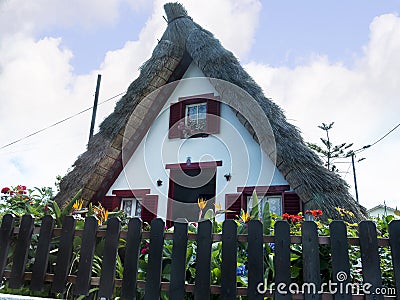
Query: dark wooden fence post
pixel 178 263
pixel 42 254
pixel 6 230
pixel 370 259
pixel 132 252
pixel 153 276
pixel 255 262
pixel 21 252
pixel 64 254
pixel 106 287
pixel 340 259
pixel 86 254
pixel 229 259
pixel 311 263
pixel 202 288
pixel 282 260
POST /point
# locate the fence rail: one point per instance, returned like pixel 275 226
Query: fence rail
pixel 17 240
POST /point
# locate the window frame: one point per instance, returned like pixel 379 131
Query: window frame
pixel 261 203
pixel 197 105
pixel 291 202
pixel 134 206
pixel 178 110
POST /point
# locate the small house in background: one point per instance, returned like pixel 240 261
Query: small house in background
pixel 382 210
pixel 194 125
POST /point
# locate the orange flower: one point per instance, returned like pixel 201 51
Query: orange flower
pixel 77 205
pixel 201 203
pixel 245 217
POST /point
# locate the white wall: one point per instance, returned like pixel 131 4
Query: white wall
pixel 241 156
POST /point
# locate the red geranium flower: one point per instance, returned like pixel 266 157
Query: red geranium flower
pixel 21 189
pixel 5 190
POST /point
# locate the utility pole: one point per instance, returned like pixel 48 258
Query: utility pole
pixel 354 174
pixel 96 100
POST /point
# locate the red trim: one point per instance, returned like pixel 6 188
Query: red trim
pixel 268 190
pixel 176 114
pixel 131 193
pixel 149 208
pixel 111 202
pixel 291 203
pixel 196 165
pixel 234 203
pixel 213 116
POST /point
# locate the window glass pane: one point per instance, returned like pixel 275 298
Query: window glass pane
pixel 202 108
pixel 127 207
pixel 275 205
pixel 192 112
pixel 138 210
pixel 196 116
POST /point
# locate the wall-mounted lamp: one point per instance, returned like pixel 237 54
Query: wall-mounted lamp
pixel 228 176
pixel 188 161
pixel 159 182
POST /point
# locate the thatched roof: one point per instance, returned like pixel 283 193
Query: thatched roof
pixel 184 42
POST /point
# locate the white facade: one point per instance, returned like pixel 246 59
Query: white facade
pixel 240 154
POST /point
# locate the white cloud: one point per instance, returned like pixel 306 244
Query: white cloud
pixel 362 100
pixel 39 88
pixel 31 16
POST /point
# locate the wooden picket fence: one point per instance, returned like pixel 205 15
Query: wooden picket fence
pixel 202 288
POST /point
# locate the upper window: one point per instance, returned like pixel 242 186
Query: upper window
pixel 196 116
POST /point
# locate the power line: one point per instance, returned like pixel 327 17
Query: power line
pixel 57 123
pixel 377 141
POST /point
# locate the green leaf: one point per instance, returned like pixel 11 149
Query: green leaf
pixel 266 219
pixel 57 212
pixel 209 215
pixel 254 206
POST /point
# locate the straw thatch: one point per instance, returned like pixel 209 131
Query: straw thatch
pixel 182 42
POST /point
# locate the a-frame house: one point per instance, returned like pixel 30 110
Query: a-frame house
pixel 195 125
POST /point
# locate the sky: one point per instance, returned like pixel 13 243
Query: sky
pixel 321 61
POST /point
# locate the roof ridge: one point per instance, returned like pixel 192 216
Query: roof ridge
pixel 175 11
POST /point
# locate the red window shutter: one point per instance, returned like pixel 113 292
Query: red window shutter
pixel 175 116
pixel 291 203
pixel 149 208
pixel 111 202
pixel 235 203
pixel 213 116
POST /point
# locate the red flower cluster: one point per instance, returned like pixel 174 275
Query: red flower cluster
pixel 5 190
pixel 315 212
pixel 292 218
pixel 21 189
